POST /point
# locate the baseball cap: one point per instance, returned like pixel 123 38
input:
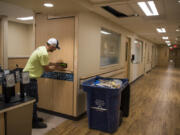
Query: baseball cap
pixel 53 42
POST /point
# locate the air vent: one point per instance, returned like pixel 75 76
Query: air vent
pixel 114 12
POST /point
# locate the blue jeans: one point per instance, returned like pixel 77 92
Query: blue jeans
pixel 32 91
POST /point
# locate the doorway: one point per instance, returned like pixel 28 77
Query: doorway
pixel 128 56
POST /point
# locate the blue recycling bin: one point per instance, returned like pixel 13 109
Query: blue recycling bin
pixel 103 105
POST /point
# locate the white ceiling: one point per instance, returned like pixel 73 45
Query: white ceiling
pixel 13 11
pixel 144 26
pixel 169 11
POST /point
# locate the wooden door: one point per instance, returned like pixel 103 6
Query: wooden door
pixel 177 57
pixel 127 56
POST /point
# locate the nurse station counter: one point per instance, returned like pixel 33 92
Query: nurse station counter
pixel 16 118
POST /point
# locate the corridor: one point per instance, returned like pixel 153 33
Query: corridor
pixel 50 48
pixel 154 108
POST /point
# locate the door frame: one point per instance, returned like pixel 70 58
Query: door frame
pixel 128 39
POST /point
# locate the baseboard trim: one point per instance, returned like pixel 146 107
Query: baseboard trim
pixel 148 71
pixel 136 79
pixel 62 115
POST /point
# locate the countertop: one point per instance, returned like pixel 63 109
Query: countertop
pixel 4 107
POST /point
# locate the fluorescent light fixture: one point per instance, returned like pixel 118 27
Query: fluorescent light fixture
pixel 165 38
pixel 145 8
pixel 149 8
pixel 105 32
pixel 135 42
pixel 153 8
pixel 161 30
pixel 25 18
pixel 48 5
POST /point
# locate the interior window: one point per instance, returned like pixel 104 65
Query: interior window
pixel 138 51
pixel 110 47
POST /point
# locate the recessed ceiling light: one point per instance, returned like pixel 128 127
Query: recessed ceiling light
pixel 25 18
pixel 149 8
pixel 161 30
pixel 153 7
pixel 48 5
pixel 105 32
pixel 165 38
pixel 179 1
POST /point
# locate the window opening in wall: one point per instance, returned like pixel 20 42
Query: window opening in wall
pixel 110 47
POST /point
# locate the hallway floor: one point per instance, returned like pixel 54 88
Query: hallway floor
pixel 51 121
pixel 154 108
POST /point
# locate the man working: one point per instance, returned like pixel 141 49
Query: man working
pixel 36 65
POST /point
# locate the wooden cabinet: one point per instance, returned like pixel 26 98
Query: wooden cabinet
pixel 63 97
pixel 56 95
pixel 19 121
pixel 45 89
pixel 16 118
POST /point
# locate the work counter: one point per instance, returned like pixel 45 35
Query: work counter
pixel 16 118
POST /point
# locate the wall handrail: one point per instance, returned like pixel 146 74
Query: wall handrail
pixel 97 74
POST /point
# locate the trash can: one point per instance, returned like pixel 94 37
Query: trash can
pixel 103 104
pixel 125 101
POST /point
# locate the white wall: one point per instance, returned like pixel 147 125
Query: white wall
pixel 20 39
pixel 89 47
pixel 90 43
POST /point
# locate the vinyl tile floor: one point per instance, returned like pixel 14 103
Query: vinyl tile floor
pixel 51 121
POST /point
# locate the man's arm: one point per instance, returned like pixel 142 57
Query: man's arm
pixel 50 67
pixel 52 64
